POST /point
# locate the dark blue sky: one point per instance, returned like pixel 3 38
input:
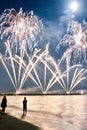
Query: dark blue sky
pixel 47 9
pixel 54 11
pixel 55 15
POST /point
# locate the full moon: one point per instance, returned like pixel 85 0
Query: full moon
pixel 74 6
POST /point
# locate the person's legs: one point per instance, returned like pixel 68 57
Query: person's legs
pixel 24 112
pixel 3 109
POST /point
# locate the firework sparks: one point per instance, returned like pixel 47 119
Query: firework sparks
pixel 21 29
pixel 76 39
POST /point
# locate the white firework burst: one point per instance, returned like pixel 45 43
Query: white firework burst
pixel 22 30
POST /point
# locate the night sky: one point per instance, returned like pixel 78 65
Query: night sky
pixel 55 15
pixel 46 9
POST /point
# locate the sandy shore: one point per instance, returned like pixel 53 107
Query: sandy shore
pixel 45 113
pixel 8 122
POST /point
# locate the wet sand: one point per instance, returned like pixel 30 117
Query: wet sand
pixel 46 112
pixel 8 122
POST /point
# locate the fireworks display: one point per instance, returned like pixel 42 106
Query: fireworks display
pixel 76 40
pixel 22 30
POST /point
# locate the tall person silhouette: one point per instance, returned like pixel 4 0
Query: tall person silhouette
pixel 24 106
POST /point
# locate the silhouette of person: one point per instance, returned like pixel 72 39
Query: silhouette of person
pixel 24 106
pixel 4 103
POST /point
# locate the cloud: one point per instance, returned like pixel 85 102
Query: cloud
pixel 53 30
pixel 67 16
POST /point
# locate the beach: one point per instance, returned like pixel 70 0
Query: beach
pixel 46 113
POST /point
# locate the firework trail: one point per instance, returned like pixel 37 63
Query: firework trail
pixel 76 40
pixel 22 30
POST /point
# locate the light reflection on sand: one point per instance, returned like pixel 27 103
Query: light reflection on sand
pixel 52 112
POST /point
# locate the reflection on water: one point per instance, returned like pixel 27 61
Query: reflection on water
pixel 52 112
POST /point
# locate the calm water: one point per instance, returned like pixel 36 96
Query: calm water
pixel 52 112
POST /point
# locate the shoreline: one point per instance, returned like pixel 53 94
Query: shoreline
pixel 9 122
